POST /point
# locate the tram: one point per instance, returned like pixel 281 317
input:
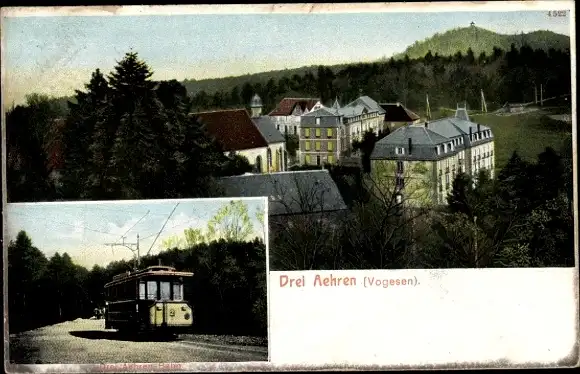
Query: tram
pixel 148 300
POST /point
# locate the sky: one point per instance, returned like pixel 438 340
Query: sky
pixel 82 229
pixel 56 54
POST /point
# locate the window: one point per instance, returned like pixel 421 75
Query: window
pixel 318 120
pixel 307 159
pixel 317 146
pixel 400 150
pixel 329 133
pixel 177 291
pixel 307 133
pixel 278 127
pixel 142 290
pixel 307 145
pixel 295 129
pixel 318 160
pixel 400 167
pixel 438 150
pixel 446 178
pixel 330 159
pixel 330 146
pixel 317 133
pixel 152 290
pixel 269 157
pixel 491 152
pixel 165 290
pixel 460 169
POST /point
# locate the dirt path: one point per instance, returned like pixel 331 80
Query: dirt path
pixel 87 342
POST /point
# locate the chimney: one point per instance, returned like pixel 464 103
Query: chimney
pixel 470 133
pixel 426 124
pixel 410 146
pixel 478 127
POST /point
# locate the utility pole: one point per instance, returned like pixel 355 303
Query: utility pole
pixel 483 103
pixel 134 247
pixel 541 95
pixel 535 94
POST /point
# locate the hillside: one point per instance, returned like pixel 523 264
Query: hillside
pixel 482 40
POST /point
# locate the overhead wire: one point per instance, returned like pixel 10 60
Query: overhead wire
pixel 165 223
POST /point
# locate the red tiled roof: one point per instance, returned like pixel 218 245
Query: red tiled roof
pixel 398 113
pixel 233 129
pixel 286 106
pixel 54 146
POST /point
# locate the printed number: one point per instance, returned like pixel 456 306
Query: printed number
pixel 557 13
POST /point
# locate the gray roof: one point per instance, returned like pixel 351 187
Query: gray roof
pixel 328 118
pixel 461 113
pixel 293 192
pixel 321 112
pixel 368 103
pixel 268 130
pixel 425 137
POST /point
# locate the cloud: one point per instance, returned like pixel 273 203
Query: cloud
pixel 77 232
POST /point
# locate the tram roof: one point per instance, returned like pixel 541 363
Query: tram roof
pixel 149 271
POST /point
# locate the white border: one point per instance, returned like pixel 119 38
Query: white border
pixel 504 6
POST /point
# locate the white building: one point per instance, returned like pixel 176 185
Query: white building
pixel 286 116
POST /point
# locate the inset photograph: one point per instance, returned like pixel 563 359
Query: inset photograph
pixel 158 281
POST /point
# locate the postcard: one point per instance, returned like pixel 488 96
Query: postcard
pixel 324 186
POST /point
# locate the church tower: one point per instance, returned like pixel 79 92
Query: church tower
pixel 256 106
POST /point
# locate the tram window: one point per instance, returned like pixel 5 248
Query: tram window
pixel 165 291
pixel 152 290
pixel 177 291
pixel 142 290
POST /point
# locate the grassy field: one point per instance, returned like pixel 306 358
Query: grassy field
pixel 529 134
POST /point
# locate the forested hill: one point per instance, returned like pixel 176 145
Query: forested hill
pixel 213 85
pixel 482 40
pixel 445 44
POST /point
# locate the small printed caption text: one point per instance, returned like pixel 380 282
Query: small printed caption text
pixel 330 280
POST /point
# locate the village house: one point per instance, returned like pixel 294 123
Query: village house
pixel 421 161
pixel 254 139
pixel 321 137
pixel 286 115
pixel 396 115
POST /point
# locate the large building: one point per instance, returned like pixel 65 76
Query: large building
pixel 359 116
pixel 254 138
pixel 421 160
pixel 286 115
pixel 320 137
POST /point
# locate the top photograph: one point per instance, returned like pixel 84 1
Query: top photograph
pixel 383 140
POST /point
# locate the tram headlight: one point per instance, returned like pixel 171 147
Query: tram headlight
pixel 186 316
pixel 183 308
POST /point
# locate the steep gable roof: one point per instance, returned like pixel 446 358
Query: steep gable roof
pixel 268 130
pixel 286 105
pixel 233 129
pixel 293 192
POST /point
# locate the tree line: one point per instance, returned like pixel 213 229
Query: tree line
pixel 129 137
pixel 504 76
pixel 124 137
pixel 227 293
pixel 523 217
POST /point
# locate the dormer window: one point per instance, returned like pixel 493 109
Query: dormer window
pixel 400 151
pixel 438 149
pixel 318 120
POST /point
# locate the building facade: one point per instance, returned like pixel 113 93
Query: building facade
pixel 421 161
pixel 359 116
pixel 237 133
pixel 320 137
pixel 286 116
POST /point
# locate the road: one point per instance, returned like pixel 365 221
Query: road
pixel 85 341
